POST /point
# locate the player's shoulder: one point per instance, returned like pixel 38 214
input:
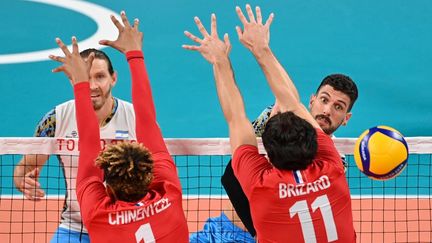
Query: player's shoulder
pixel 65 105
pixel 122 104
pixel 246 149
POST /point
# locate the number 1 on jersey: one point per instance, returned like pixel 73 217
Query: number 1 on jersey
pixel 301 208
pixel 144 233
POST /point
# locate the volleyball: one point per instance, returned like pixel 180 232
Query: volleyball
pixel 381 153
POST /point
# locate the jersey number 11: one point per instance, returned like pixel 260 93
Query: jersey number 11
pixel 301 208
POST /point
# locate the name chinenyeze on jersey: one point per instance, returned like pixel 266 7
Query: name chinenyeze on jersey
pixel 133 215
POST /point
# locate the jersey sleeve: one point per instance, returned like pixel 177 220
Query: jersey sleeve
pixel 90 193
pixel 249 166
pixel 89 146
pixel 260 122
pixel 47 125
pixel 147 129
pixel 164 169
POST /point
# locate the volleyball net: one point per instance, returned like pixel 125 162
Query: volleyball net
pixel 397 210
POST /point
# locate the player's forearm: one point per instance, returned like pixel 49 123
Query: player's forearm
pixel 147 130
pixel 141 90
pixel 19 174
pixel 240 129
pixel 277 77
pixel 88 130
pixel 227 90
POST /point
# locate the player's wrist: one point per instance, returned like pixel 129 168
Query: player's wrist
pixel 132 46
pixel 132 49
pixel 19 183
pixel 78 81
pixel 221 60
pixel 81 85
pixel 134 54
pixel 261 51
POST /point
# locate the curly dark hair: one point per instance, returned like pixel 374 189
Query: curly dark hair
pixel 342 83
pixel 128 169
pixel 290 141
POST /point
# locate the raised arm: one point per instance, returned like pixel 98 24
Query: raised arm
pixel 129 42
pixel 77 70
pixel 255 36
pixel 216 52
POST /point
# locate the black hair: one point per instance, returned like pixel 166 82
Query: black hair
pixel 98 55
pixel 343 84
pixel 290 141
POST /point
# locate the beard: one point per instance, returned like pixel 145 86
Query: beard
pixel 328 127
pixel 101 100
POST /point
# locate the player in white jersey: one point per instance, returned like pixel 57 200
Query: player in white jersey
pixel 116 121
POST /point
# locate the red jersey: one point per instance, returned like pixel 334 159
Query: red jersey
pixel 311 205
pixel 159 215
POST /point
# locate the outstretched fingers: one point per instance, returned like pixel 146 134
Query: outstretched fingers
pixel 190 47
pixel 125 19
pixel 269 20
pixel 90 59
pixel 117 23
pixel 65 50
pixel 241 15
pixel 227 42
pixel 105 42
pixel 57 58
pixel 136 24
pixel 58 69
pixel 258 15
pixel 201 27
pixel 239 32
pixel 214 26
pixel 250 14
pixel 62 46
pixel 74 45
pixel 193 37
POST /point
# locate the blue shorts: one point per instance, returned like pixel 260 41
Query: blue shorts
pixel 66 235
pixel 221 229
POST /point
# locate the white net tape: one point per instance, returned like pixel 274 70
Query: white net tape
pixel 189 146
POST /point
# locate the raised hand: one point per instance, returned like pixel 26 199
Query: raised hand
pixel 74 66
pixel 255 36
pixel 129 37
pixel 210 46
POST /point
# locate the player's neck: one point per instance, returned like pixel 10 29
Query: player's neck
pixel 105 111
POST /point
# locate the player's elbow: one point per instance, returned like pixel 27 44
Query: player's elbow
pixel 236 120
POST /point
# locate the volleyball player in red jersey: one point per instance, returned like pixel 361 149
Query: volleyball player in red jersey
pixel 299 193
pixel 142 200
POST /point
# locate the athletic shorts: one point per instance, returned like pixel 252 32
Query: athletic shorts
pixel 66 235
pixel 221 229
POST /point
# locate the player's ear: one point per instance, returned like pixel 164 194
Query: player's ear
pixel 346 119
pixel 311 100
pixel 114 78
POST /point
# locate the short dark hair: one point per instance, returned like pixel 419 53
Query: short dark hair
pixel 98 55
pixel 290 141
pixel 342 83
pixel 128 169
